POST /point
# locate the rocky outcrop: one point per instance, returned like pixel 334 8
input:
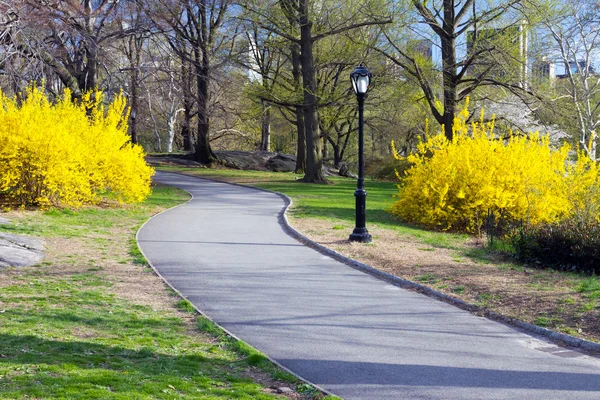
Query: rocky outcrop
pixel 281 163
pixel 20 251
pixel 344 171
pixel 245 160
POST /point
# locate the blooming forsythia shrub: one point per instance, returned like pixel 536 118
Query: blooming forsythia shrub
pixel 457 184
pixel 67 153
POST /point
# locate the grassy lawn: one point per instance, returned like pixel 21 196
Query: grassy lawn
pixel 91 322
pixel 454 264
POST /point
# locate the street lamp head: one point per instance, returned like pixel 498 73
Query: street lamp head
pixel 361 79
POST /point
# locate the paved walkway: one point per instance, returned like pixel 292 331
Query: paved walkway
pixel 354 335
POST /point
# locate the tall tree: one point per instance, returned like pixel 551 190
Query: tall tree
pixel 480 25
pixel 264 61
pixel 573 28
pixel 316 20
pixel 132 17
pixel 67 36
pixel 199 25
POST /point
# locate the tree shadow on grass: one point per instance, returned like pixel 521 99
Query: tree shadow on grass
pixel 36 367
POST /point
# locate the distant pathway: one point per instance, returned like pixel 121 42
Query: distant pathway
pixel 354 335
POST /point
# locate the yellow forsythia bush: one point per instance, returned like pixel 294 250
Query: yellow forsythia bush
pixel 69 153
pixel 455 184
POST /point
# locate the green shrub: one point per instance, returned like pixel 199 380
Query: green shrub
pixel 572 244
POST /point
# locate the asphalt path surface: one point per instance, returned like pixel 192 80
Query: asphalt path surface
pixel 348 332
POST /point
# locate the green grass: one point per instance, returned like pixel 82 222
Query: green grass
pixel 64 335
pixel 458 289
pixel 185 305
pixel 590 287
pixel 89 221
pixel 543 321
pixel 66 339
pixel 427 278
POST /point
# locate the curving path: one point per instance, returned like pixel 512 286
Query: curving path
pixel 348 332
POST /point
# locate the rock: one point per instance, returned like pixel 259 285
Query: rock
pixel 329 171
pixel 244 160
pixel 20 251
pixel 281 163
pixel 4 221
pixel 344 171
pixel 284 390
pixel 152 160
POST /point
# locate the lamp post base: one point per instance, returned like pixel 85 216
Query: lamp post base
pixel 360 235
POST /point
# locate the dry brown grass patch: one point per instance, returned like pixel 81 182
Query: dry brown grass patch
pixel 530 295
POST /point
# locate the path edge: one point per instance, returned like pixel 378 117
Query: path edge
pixel 561 339
pixel 200 312
pixel 556 337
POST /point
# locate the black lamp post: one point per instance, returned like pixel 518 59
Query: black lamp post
pixel 361 78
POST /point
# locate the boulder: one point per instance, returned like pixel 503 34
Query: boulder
pixel 20 251
pixel 244 160
pixel 152 160
pixel 281 163
pixel 344 171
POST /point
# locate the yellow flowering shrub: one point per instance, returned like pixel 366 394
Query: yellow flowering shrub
pixel 67 153
pixel 457 184
pixel 583 189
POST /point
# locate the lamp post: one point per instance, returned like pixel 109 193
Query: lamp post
pixel 361 78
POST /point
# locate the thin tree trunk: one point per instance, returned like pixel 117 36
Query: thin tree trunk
pixel 158 144
pixel 88 78
pixel 265 143
pixel 134 106
pixel 171 133
pixel 186 131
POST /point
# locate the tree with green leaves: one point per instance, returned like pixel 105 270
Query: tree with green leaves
pixel 314 20
pixel 491 35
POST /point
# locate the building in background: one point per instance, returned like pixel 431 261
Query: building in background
pixel 507 46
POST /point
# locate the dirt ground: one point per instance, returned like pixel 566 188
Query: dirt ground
pixel 542 297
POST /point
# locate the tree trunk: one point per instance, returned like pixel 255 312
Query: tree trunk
pixel 91 69
pixel 134 106
pixel 301 142
pixel 65 76
pixel 449 69
pixel 158 143
pixel 188 101
pixel 204 153
pixel 337 156
pixel 265 143
pixel 90 46
pixel 314 149
pixel 171 127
